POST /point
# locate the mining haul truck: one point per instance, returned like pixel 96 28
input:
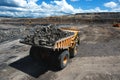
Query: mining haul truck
pixel 50 43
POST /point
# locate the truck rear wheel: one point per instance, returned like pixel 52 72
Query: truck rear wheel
pixel 63 59
pixel 35 53
pixel 73 51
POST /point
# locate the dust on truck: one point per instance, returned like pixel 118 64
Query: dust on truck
pixel 55 44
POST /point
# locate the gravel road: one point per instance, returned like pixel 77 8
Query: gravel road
pixel 98 58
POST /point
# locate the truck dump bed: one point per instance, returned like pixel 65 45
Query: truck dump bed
pixel 46 36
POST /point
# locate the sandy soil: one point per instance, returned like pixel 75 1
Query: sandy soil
pixel 98 58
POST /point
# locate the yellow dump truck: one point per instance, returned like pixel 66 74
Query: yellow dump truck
pixel 61 51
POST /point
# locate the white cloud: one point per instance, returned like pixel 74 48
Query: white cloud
pixel 64 6
pixel 21 3
pixel 115 7
pixel 110 4
pixel 96 9
pixel 32 0
pixel 29 8
pixel 13 3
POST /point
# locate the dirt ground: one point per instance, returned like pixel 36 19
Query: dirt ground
pixel 98 58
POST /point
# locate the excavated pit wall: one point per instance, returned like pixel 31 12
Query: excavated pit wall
pixel 86 18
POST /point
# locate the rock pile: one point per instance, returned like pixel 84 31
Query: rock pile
pixel 46 35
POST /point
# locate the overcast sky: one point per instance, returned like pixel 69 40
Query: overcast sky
pixel 43 8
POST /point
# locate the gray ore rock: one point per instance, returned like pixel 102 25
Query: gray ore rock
pixel 46 35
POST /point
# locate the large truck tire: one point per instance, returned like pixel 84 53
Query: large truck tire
pixel 35 53
pixel 63 59
pixel 73 51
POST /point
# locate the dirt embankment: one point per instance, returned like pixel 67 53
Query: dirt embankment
pixel 80 18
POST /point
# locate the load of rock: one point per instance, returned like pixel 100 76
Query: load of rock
pixel 45 35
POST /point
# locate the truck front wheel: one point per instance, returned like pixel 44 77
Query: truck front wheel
pixel 63 59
